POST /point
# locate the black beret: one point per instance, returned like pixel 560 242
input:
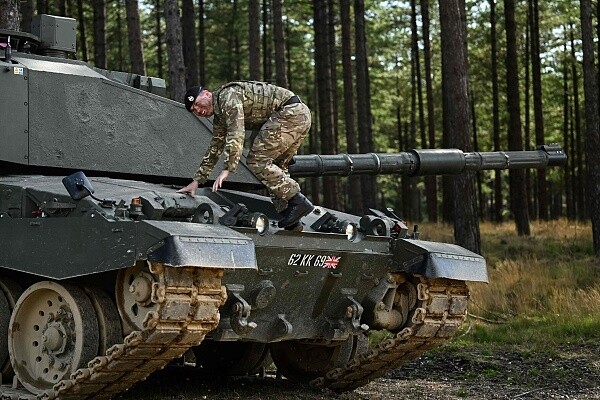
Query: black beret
pixel 190 96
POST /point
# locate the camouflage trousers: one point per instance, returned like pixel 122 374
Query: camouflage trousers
pixel 274 146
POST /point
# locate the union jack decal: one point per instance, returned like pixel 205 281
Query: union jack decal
pixel 331 262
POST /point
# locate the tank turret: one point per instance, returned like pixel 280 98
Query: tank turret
pixel 64 114
pixel 107 276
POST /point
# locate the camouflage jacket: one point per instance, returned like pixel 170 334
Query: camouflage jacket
pixel 238 106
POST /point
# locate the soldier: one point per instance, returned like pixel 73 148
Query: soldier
pixel 284 121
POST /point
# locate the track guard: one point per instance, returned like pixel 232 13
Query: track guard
pixel 439 260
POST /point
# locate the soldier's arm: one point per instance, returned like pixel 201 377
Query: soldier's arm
pixel 233 114
pixel 215 148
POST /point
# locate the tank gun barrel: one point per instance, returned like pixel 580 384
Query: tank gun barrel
pixel 425 162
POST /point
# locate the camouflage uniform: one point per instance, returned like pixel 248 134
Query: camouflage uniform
pixel 244 105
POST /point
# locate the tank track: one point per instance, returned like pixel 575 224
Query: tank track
pixel 440 310
pixel 188 300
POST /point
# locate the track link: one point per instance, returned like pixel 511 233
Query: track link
pixel 440 310
pixel 188 301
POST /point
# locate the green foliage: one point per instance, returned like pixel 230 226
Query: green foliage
pixel 543 290
pixel 116 37
pixel 226 42
pixel 389 46
pixel 388 30
pixel 539 332
pixel 149 40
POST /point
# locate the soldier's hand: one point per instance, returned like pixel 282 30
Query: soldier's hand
pixel 219 182
pixel 190 189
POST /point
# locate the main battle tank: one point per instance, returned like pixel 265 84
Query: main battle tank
pixel 109 275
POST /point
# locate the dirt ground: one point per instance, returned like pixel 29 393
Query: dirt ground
pixel 505 372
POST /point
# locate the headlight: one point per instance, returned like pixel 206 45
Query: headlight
pixel 236 215
pixel 260 222
pixel 330 223
pixel 350 229
pixel 376 226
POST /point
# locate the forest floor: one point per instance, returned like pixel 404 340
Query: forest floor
pixel 455 371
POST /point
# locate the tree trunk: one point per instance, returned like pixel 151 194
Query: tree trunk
pixel 409 140
pixel 405 140
pixel 447 181
pixel 497 212
pixel 413 208
pixel 119 34
pixel 577 149
pixel 532 202
pixel 480 195
pixel 279 43
pixel 324 96
pixel 254 39
pixel 159 38
pixel 230 44
pixel 401 184
pixel 598 34
pixel 134 31
pixel 267 70
pixel 190 51
pixel 26 15
pixel 537 107
pixel 331 14
pixel 175 51
pixel 42 7
pixel 363 106
pixel 201 44
pixel 355 200
pixel 82 36
pixel 9 15
pixel 237 48
pixel 62 8
pixel 99 12
pixel 518 193
pixel 430 181
pixel 573 147
pixel 288 52
pixel 591 120
pixel 566 136
pixel 457 118
pixel 314 147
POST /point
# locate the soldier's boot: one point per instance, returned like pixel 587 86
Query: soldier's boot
pixel 298 207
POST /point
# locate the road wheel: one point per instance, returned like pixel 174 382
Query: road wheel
pixel 53 332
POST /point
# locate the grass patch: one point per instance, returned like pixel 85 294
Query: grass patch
pixel 543 289
pixel 538 333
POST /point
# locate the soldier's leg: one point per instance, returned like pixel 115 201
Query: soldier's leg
pixel 279 136
pixel 297 128
pixel 279 203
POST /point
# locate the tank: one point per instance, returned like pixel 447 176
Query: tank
pixel 107 274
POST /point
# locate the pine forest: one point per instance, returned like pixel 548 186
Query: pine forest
pixel 388 76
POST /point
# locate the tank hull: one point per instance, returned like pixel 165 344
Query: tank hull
pixel 164 274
